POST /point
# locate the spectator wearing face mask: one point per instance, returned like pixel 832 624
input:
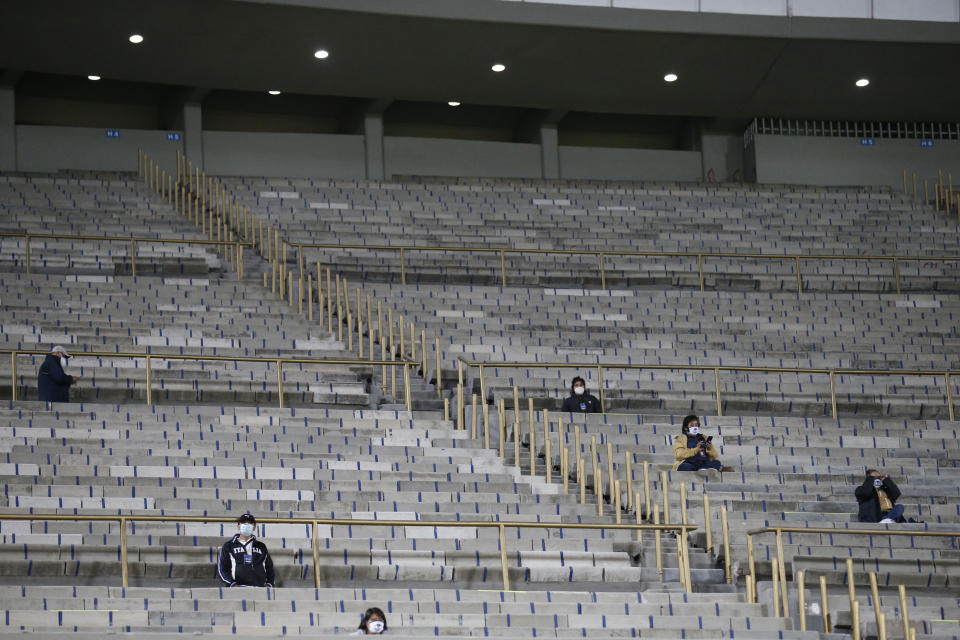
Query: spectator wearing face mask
pixel 579 400
pixel 692 451
pixel 244 561
pixel 374 623
pixel 53 385
pixel 877 497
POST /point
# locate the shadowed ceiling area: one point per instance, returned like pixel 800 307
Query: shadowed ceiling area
pixel 604 67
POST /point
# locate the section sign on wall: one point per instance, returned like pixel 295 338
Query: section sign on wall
pixel 175 137
pixel 927 144
pixel 868 142
pixel 113 133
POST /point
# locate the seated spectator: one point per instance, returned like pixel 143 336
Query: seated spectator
pixel 374 623
pixel 580 401
pixel 877 497
pixel 244 560
pixel 692 451
pixel 53 385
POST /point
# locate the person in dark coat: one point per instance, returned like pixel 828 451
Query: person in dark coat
pixel 245 561
pixel 579 400
pixel 53 384
pixel 877 497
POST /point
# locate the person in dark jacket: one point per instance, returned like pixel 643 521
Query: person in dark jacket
pixel 53 385
pixel 579 400
pixel 877 497
pixel 244 561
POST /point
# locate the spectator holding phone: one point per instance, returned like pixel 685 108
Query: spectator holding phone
pixel 692 451
pixel 877 497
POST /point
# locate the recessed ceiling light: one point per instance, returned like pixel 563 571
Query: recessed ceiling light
pixel 862 82
pixel 273 92
pixel 497 68
pixel 93 77
pixel 453 103
pixel 136 38
pixel 321 54
pixel 670 77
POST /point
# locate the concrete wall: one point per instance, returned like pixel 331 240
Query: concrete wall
pixel 446 157
pixel 295 155
pixel 844 161
pixel 926 10
pixel 42 148
pixel 629 164
pixel 723 154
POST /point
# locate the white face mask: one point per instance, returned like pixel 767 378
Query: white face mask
pixel 63 362
pixel 579 390
pixel 246 529
pixel 375 626
pixel 693 430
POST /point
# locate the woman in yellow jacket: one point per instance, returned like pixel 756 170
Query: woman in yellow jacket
pixel 693 452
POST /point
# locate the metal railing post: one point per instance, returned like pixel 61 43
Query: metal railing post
pixel 409 398
pixel 603 273
pixel 13 376
pixel 700 270
pixel 799 277
pixel 149 384
pixel 503 557
pixel 833 393
pixel 28 254
pixel 603 404
pixel 124 569
pixel 503 269
pixel 403 266
pixel 825 605
pixel 727 561
pixel 781 567
pixel 280 381
pixel 802 600
pixel 716 381
pixel 316 555
pixel 896 273
pixel 752 566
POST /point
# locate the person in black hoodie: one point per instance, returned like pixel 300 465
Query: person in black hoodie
pixel 244 561
pixel 877 497
pixel 53 385
pixel 579 400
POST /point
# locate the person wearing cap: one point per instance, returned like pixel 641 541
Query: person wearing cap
pixel 579 400
pixel 244 561
pixel 53 385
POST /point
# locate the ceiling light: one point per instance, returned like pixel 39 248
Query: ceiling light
pixel 94 78
pixel 453 103
pixel 670 77
pixel 321 54
pixel 497 68
pixel 136 38
pixel 862 82
pixel 273 92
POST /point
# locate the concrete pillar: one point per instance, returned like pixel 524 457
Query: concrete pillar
pixel 373 145
pixel 549 151
pixel 193 133
pixel 8 129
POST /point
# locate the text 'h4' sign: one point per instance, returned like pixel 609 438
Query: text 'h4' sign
pixel 928 144
pixel 867 142
pixel 113 133
pixel 175 137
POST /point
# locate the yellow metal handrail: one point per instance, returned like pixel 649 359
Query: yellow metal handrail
pixel 780 573
pixel 133 244
pixel 683 529
pixel 278 361
pixel 601 256
pixel 600 367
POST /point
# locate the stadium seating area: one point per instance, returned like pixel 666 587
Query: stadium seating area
pixel 215 443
